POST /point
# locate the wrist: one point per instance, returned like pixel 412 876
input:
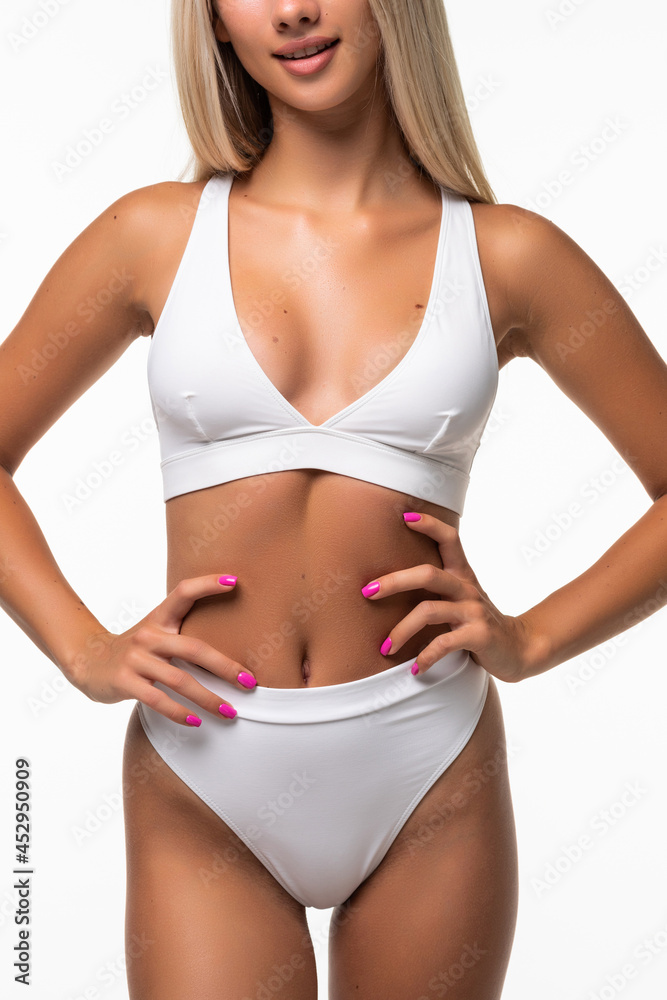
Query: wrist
pixel 76 660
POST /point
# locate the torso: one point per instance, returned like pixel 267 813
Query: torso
pixel 304 542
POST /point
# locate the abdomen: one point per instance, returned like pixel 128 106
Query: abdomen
pixel 303 543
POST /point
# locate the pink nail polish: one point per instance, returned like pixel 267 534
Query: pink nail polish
pixel 415 667
pixel 386 646
pixel 246 679
pixel 193 720
pixel 370 589
pixel 412 517
pixel 228 581
pixel 227 711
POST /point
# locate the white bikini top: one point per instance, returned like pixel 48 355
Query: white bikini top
pixel 219 417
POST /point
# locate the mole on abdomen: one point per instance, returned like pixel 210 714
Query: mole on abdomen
pixel 418 305
pixel 275 340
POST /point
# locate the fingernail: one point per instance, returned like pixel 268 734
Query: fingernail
pixel 412 517
pixel 370 588
pixel 228 581
pixel 193 720
pixel 246 679
pixel 228 711
pixel 386 646
pixel 415 667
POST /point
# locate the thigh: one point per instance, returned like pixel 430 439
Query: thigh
pixel 437 916
pixel 204 917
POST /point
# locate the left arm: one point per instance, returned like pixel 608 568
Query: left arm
pixel 577 326
pixel 571 320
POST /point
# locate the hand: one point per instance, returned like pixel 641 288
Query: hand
pixel 115 667
pixel 495 641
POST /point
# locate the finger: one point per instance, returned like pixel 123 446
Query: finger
pixel 201 653
pixel 170 613
pixel 156 699
pixel 442 645
pixel 449 543
pixel 185 685
pixel 426 613
pixel 422 577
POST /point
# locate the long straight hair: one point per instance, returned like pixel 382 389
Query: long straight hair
pixel 228 117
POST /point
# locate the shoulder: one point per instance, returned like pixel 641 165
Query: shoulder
pixel 508 223
pixel 526 251
pixel 156 210
pixel 148 228
pixel 516 234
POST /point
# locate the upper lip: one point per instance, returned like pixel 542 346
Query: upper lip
pixel 303 43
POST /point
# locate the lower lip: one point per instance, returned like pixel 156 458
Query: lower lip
pixel 311 64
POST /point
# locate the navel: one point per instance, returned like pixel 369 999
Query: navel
pixel 305 670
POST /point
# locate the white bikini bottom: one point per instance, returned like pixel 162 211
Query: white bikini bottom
pixel 317 782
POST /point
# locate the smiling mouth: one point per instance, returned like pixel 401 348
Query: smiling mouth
pixel 308 54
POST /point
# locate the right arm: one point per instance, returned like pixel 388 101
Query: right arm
pixel 83 345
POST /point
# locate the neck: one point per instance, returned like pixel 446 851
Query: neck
pixel 349 158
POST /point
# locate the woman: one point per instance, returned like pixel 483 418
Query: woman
pixel 290 562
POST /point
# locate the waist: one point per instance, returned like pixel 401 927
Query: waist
pixel 302 552
pixel 450 678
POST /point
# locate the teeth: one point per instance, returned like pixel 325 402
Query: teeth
pixel 310 51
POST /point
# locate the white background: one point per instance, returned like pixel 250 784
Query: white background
pixel 538 93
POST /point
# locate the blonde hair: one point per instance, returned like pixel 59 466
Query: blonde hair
pixel 228 118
